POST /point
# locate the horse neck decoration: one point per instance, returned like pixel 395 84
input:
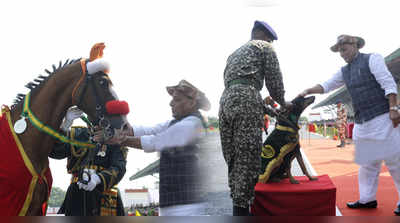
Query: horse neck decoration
pixel 78 82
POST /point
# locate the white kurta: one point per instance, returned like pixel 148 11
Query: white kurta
pixel 160 137
pixel 375 139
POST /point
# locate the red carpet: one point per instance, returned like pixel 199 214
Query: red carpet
pixel 338 163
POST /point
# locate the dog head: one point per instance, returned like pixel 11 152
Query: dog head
pixel 299 105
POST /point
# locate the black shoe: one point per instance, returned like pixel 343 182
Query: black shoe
pixel 357 204
pixel 397 211
pixel 342 144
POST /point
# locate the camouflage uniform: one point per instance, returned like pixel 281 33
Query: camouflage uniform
pixel 342 122
pixel 241 114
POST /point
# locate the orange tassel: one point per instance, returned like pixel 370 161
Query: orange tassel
pixel 97 51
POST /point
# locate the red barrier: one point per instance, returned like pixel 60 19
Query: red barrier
pixel 311 128
pixel 350 128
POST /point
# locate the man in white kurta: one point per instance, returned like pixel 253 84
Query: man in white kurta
pixel 376 133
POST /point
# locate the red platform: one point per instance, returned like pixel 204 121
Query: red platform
pixel 311 198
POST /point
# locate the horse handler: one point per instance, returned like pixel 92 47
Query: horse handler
pixel 376 133
pixel 241 111
pixel 182 189
pixel 100 196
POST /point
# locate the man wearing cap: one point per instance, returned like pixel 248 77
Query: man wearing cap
pixel 376 133
pixel 181 190
pixel 341 123
pixel 241 111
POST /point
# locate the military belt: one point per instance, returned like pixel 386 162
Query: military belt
pixel 239 81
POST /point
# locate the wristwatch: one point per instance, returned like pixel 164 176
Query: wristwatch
pixel 395 108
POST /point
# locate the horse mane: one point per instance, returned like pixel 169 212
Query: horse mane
pixel 38 82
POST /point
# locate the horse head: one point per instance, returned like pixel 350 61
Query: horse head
pixel 94 94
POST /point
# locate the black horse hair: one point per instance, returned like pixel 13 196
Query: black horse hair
pixel 40 80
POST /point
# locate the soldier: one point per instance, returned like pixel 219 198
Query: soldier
pixel 341 123
pixel 100 196
pixel 241 111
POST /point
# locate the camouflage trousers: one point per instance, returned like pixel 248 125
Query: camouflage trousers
pixel 342 131
pixel 240 121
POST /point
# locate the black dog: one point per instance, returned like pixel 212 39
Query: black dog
pixel 282 145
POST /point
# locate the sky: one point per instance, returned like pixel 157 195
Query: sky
pixel 151 44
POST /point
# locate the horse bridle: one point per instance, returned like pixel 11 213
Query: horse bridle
pixel 101 119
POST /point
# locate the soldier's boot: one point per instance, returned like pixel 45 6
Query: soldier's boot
pixel 342 143
pixel 240 211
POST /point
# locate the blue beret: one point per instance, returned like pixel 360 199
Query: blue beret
pixel 266 27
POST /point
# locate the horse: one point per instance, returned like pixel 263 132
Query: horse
pixel 37 116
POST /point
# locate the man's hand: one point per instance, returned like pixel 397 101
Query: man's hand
pixel 269 101
pixel 94 181
pixel 303 93
pixel 72 114
pixel 395 117
pixel 119 137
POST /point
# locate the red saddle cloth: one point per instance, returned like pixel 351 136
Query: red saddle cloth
pixel 17 175
pixel 310 198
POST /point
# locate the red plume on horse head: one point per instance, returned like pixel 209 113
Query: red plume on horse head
pixel 116 107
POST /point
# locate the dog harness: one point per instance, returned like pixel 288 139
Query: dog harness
pixel 273 155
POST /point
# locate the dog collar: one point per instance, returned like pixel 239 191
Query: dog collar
pixel 284 128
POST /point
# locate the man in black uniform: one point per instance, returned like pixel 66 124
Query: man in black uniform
pixel 100 196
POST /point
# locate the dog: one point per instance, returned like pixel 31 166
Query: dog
pixel 282 145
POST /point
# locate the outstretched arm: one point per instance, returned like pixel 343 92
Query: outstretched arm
pixel 335 82
pixel 317 89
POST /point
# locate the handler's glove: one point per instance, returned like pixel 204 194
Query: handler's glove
pixel 72 114
pixel 94 181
